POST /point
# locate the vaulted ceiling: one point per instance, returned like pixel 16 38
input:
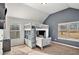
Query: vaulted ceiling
pixel 36 11
pixel 53 7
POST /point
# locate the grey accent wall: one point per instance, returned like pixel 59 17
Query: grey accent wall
pixel 66 15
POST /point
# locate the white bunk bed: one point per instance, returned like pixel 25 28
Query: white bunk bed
pixel 41 41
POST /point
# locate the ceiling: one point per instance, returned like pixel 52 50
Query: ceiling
pixel 48 8
pixel 36 12
pixel 52 7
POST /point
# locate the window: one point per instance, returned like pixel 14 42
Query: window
pixel 14 31
pixel 14 27
pixel 78 27
pixel 73 27
pixel 63 27
pixel 72 30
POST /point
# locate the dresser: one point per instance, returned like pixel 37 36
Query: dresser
pixel 41 42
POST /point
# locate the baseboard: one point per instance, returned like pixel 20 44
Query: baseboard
pixel 65 44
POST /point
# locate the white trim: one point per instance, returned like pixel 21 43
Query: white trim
pixel 70 39
pixel 65 45
pixel 68 23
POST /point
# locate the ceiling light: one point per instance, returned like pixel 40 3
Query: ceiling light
pixel 43 3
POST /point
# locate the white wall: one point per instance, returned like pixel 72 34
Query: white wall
pixel 20 10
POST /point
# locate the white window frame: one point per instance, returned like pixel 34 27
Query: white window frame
pixel 15 31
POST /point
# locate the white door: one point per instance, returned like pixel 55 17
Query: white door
pixel 1 43
pixel 15 35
